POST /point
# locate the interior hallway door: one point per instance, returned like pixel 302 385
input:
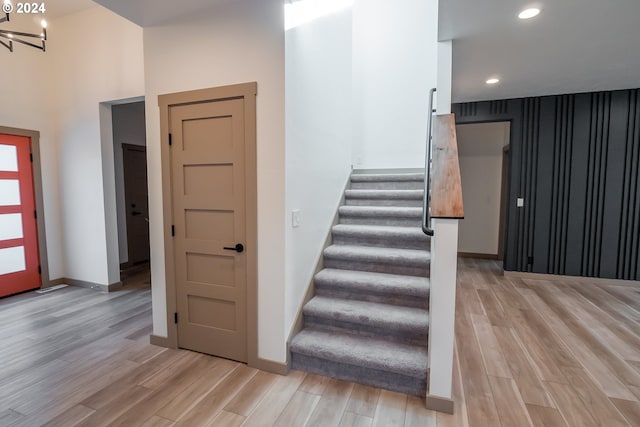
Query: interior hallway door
pixel 19 260
pixel 134 159
pixel 208 172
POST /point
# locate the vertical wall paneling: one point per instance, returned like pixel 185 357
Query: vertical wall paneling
pixel 531 128
pixel 587 259
pixel 614 178
pixel 521 168
pixel 576 242
pixel 633 247
pixel 575 159
pixel 566 195
pixel 540 227
pixel 513 114
pixel 561 189
pixel 627 197
pixel 603 152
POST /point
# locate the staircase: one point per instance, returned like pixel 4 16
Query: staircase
pixel 368 320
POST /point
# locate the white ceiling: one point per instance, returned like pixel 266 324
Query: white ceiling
pixel 147 13
pixel 56 8
pixel 572 46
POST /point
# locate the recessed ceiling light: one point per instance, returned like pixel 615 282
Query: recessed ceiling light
pixel 529 13
pixel 492 81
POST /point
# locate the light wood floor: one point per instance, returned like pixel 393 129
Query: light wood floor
pixel 528 353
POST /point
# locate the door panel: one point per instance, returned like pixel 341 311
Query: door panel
pixel 11 226
pixel 19 257
pixel 208 185
pixel 209 225
pixel 9 191
pixel 211 269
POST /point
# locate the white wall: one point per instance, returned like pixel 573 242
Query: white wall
pixel 318 135
pixel 128 128
pixel 237 42
pixel 480 150
pixel 109 193
pixel 445 65
pixel 357 86
pixel 94 56
pixel 26 103
pixel 394 66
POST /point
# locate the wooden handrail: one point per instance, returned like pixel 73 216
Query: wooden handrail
pixel 446 186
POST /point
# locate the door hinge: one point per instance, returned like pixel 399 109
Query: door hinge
pixel 39 270
pixel 31 157
pixel 35 214
pixel 173 230
pixel 170 140
pixel 175 317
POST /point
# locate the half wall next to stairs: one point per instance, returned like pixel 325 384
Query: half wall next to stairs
pixel 368 320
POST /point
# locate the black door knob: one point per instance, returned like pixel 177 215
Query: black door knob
pixel 238 248
pixel 136 213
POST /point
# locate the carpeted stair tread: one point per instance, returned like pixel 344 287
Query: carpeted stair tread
pixel 375 283
pixel 387 177
pixel 401 257
pixel 381 211
pixel 381 215
pixel 379 231
pixel 409 360
pixel 392 318
pixel 384 194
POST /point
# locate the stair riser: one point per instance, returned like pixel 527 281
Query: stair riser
pixel 417 243
pixel 405 335
pixel 402 301
pixel 372 220
pixel 387 185
pixel 377 267
pixel 414 203
pixel 372 377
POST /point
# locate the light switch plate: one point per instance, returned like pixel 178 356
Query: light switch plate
pixel 295 218
pixel 520 202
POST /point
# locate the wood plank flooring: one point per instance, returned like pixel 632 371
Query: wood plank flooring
pixel 528 353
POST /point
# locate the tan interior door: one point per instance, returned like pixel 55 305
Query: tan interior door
pixel 208 186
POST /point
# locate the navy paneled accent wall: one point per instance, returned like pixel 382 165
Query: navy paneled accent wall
pixel 575 159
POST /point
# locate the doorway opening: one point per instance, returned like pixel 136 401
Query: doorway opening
pixel 130 173
pixel 484 162
pixel 123 143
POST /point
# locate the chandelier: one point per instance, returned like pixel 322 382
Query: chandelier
pixel 9 37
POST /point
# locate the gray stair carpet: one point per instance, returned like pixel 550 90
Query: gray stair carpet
pixel 381 215
pixel 383 236
pixel 402 181
pixel 368 320
pixel 384 197
pixel 408 291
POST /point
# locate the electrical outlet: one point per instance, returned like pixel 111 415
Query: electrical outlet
pixel 295 218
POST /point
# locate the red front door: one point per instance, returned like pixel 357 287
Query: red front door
pixel 18 230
